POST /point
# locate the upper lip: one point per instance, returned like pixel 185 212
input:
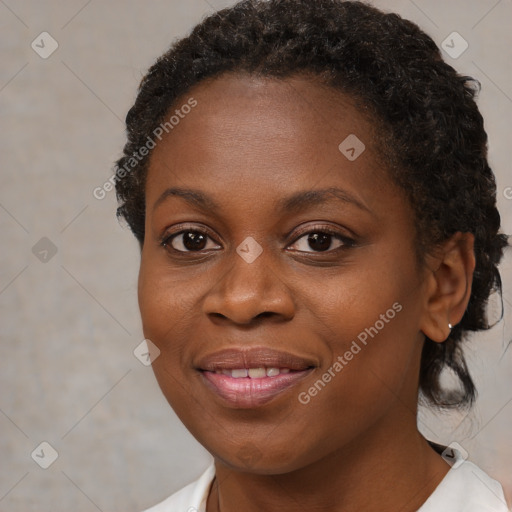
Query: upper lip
pixel 255 357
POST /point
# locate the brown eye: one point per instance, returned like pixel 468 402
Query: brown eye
pixel 321 241
pixel 188 241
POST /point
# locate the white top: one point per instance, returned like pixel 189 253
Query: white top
pixel 465 488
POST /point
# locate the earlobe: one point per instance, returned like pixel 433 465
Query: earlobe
pixel 448 286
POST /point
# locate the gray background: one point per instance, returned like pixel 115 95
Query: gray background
pixel 69 325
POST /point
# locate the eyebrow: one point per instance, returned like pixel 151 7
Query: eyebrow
pixel 291 204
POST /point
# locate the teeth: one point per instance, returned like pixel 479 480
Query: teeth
pixel 239 373
pixel 253 373
pixel 257 373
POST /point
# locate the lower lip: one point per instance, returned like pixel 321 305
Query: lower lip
pixel 247 393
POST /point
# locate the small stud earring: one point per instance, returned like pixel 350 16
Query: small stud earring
pixel 450 326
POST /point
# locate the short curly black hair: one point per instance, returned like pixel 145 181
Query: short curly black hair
pixel 432 133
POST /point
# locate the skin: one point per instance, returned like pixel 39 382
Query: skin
pixel 248 144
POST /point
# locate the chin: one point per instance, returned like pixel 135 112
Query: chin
pixel 251 460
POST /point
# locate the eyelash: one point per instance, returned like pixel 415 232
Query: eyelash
pixel 348 242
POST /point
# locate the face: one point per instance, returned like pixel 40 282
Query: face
pixel 278 275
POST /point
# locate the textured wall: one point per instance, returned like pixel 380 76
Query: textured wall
pixel 70 324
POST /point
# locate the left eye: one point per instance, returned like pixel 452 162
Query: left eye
pixel 321 241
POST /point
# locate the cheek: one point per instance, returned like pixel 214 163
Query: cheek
pixel 165 304
pixel 165 297
pixel 348 302
pixel 160 310
pixel 367 322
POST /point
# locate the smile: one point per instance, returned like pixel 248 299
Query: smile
pixel 251 378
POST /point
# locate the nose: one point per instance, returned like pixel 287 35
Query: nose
pixel 249 291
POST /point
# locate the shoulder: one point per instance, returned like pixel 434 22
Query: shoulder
pixel 466 488
pixel 191 498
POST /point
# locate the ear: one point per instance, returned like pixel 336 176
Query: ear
pixel 448 279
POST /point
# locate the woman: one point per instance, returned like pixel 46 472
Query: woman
pixel 309 186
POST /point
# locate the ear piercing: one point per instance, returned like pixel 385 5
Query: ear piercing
pixel 450 326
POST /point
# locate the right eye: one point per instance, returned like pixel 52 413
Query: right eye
pixel 188 241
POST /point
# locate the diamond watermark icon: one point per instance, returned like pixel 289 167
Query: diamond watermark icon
pixel 44 250
pixel 450 455
pixel 44 455
pixel 146 352
pixel 454 45
pixel 44 45
pixel 352 147
pixel 249 249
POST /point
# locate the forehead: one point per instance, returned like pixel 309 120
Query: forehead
pixel 262 139
pixel 241 107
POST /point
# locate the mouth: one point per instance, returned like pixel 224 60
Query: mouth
pixel 251 378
